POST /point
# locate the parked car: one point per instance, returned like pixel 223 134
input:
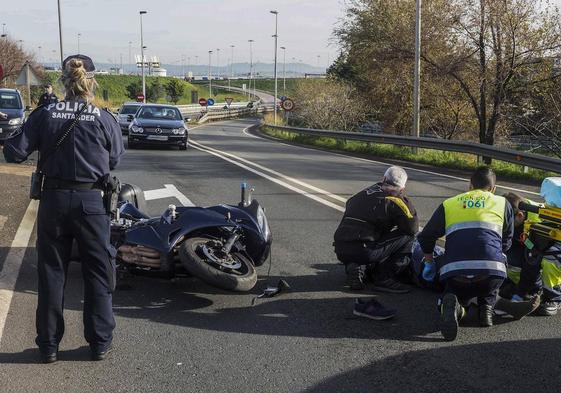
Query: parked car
pixel 156 124
pixel 12 112
pixel 128 108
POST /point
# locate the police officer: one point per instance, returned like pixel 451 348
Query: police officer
pixel 377 230
pixel 479 227
pixel 71 207
pixel 48 97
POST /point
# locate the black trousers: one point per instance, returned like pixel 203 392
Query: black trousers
pixel 389 256
pixel 484 289
pixel 66 216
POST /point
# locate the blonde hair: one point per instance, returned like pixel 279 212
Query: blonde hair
pixel 76 82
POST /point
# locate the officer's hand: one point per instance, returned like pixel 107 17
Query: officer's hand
pixel 429 270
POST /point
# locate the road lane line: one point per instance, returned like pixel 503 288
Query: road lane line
pixel 169 191
pixel 273 172
pixel 14 260
pixel 385 163
pixel 270 178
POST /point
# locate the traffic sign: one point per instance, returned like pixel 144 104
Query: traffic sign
pixel 203 102
pixel 210 102
pixel 288 105
pixel 140 98
pixel 229 101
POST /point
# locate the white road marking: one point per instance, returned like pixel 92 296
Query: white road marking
pixel 14 259
pixel 3 220
pixel 273 172
pixel 385 163
pixel 222 155
pixel 169 191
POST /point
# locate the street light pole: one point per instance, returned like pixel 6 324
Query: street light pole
pixel 142 58
pixel 231 67
pixel 218 63
pixel 79 35
pixel 283 70
pixel 209 74
pixel 130 53
pixel 276 13
pixel 250 68
pixel 60 34
pixel 417 87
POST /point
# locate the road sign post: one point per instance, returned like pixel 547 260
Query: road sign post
pixel 203 102
pixel 229 101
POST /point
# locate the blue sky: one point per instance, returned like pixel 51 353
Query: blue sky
pixel 173 28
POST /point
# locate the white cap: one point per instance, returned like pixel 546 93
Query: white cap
pixel 396 176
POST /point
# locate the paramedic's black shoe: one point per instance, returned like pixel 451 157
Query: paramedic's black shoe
pixel 451 312
pixel 485 316
pixel 101 355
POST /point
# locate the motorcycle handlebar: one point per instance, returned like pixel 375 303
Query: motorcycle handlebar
pixel 527 207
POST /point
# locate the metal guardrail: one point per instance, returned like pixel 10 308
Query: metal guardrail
pixel 232 113
pixel 522 158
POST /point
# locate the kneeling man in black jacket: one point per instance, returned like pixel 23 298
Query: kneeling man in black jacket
pixel 377 232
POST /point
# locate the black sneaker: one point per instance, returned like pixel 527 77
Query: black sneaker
pixel 101 355
pixel 450 315
pixel 373 310
pixel 391 286
pixel 355 276
pixel 548 309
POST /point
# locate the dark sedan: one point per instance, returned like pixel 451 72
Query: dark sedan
pixel 158 125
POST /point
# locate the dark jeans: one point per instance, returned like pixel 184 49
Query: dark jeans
pixel 484 289
pixel 389 256
pixel 65 216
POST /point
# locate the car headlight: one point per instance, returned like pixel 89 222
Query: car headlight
pixel 16 121
pixel 263 223
pixel 178 131
pixel 137 129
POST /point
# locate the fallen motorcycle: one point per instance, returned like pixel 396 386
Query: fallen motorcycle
pixel 221 244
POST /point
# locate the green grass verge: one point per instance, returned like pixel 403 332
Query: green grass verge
pixel 424 156
pixel 267 85
pixel 116 87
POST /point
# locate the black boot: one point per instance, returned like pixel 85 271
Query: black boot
pixel 485 315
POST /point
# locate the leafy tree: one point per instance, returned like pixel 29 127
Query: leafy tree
pixel 175 89
pixel 154 90
pixel 476 54
pixel 134 89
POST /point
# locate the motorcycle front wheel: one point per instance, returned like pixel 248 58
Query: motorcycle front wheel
pixel 203 258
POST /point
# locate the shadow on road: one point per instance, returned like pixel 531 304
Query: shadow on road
pixel 511 366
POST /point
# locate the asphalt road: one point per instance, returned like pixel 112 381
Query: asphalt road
pixel 185 336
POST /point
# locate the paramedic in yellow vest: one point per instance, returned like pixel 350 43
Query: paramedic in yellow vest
pixel 527 278
pixel 478 226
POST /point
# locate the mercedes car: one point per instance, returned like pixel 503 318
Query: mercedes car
pixel 158 125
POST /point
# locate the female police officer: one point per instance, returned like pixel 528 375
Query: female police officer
pixel 71 207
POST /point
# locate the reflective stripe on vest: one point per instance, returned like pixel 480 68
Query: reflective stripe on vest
pixel 473 265
pixel 475 209
pixel 474 225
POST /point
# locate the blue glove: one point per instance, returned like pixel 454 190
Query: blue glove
pixel 429 270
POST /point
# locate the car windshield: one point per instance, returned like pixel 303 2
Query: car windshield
pixel 159 113
pixel 129 109
pixel 9 100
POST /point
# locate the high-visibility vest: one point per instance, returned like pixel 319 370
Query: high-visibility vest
pixel 474 227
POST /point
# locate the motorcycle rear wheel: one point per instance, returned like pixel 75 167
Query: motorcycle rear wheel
pixel 196 255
